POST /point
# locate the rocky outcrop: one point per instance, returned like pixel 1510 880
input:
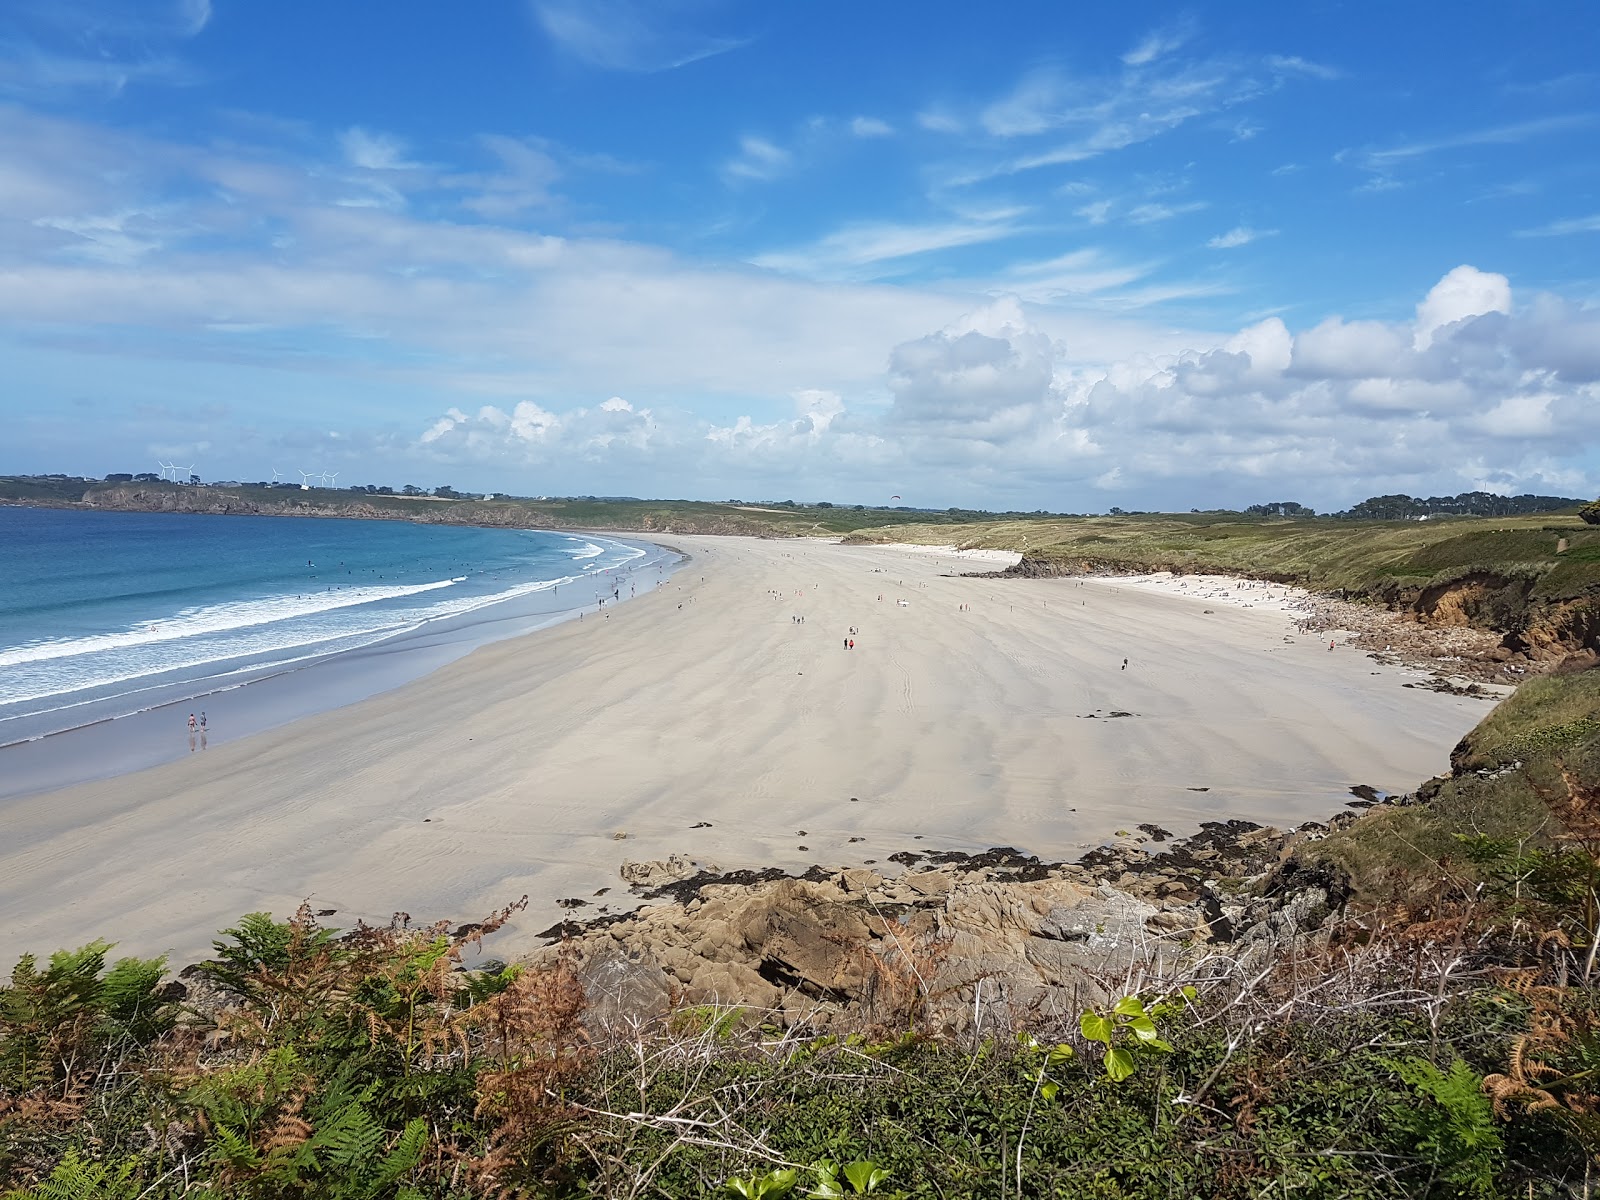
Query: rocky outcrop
pixel 947 938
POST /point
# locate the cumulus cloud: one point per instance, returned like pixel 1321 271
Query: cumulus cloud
pixel 1464 292
pixel 528 433
pixel 990 408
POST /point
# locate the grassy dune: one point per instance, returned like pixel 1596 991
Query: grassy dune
pixel 1317 553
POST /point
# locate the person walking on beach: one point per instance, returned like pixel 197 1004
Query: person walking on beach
pixel 192 727
pixel 1124 664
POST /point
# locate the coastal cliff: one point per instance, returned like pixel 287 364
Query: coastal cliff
pixel 426 510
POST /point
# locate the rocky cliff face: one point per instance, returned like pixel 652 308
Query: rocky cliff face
pixel 1531 628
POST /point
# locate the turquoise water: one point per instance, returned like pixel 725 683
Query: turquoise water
pixel 107 614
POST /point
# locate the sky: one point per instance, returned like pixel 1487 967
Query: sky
pixel 1033 256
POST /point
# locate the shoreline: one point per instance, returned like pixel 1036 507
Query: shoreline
pixel 118 740
pixel 705 721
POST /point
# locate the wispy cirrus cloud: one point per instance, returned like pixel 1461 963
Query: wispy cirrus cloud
pixel 1149 214
pixel 1239 235
pixel 1158 44
pixel 859 250
pixel 758 160
pixel 631 35
pixel 1083 117
pixel 1564 228
pixel 1511 134
pixel 374 151
pixel 870 127
pixel 1293 64
pixel 96 45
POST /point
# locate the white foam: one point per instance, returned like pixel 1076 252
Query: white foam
pixel 298 639
pixel 216 618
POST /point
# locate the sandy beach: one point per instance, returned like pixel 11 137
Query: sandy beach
pixel 705 720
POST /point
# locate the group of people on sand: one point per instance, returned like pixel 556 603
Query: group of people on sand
pixel 198 731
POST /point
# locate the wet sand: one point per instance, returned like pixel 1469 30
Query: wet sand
pixel 512 770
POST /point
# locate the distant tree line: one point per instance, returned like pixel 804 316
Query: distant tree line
pixel 1471 504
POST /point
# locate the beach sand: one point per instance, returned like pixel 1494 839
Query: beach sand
pixel 512 770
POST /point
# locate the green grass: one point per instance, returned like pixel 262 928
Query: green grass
pixel 1549 725
pixel 1367 556
pixel 1545 715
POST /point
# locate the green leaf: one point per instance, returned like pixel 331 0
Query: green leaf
pixel 1188 993
pixel 1049 1090
pixel 1144 1029
pixel 1059 1054
pixel 865 1175
pixel 1095 1027
pixel 1119 1065
pixel 1129 1006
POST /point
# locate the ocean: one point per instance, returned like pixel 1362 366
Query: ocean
pixel 104 616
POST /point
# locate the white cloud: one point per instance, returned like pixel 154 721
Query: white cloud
pixel 1464 292
pixel 758 159
pixel 374 151
pixel 1103 114
pixel 1156 45
pixel 627 35
pixel 1239 235
pixel 1149 214
pixel 870 127
pixel 97 45
pixel 1293 64
pixel 991 406
pixel 848 251
pixel 1096 212
pixel 1564 228
pixel 939 121
pixel 1513 134
pixel 523 182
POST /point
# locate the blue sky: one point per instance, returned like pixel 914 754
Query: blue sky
pixel 1054 256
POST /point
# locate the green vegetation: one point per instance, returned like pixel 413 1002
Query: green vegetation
pixel 375 1067
pixel 1442 1040
pixel 1505 574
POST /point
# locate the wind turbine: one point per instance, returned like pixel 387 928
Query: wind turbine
pixel 188 473
pixel 165 467
pixel 276 475
pixel 329 480
pixel 305 481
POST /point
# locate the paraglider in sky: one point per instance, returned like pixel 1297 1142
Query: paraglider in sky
pixel 894 497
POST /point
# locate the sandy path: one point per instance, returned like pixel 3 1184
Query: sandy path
pixel 510 771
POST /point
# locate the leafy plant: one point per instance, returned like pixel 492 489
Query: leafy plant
pixel 1454 1128
pixel 773 1183
pixel 52 1021
pixel 862 1177
pixel 75 1178
pixel 1129 1030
